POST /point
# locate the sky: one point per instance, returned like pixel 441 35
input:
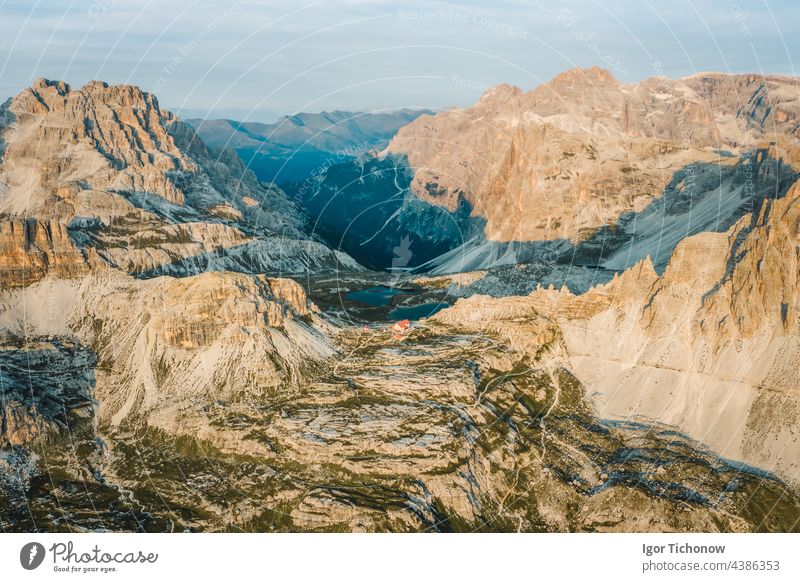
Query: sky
pixel 257 59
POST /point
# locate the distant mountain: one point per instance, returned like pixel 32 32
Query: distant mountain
pixel 294 146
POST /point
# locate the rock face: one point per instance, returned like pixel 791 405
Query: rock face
pixel 164 342
pixel 63 146
pixel 130 183
pixel 62 373
pixel 152 347
pixel 709 347
pixel 576 153
pixel 29 249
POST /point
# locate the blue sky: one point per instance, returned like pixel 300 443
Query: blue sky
pixel 256 59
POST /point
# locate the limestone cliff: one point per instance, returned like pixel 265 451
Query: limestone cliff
pixel 29 249
pixel 577 153
pixel 115 177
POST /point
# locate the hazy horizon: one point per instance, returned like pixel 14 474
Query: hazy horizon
pixel 254 60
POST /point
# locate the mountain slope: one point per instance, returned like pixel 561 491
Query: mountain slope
pixel 577 179
pixel 576 153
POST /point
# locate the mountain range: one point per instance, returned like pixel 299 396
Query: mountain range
pixel 601 281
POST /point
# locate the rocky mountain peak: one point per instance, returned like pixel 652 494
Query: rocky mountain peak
pixel 85 152
pixel 95 85
pixel 61 141
pixel 500 95
pixel 578 77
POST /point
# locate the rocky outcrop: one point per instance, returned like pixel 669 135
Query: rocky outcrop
pixel 31 249
pixel 150 248
pixel 710 346
pixel 46 385
pixel 102 138
pixel 62 144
